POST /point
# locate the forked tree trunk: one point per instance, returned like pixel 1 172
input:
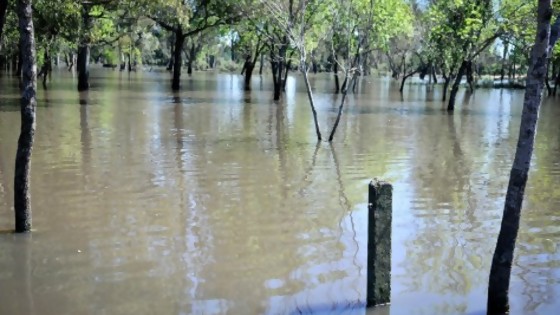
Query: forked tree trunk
pixel 500 272
pixel 341 106
pixel 455 87
pixel 22 202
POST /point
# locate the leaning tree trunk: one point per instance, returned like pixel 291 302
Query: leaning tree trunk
pixel 503 256
pixel 22 202
pixel 455 87
pixel 177 60
pixel 310 96
pixel 341 106
pixel 406 76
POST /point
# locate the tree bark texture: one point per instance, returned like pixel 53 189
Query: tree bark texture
pixel 500 272
pixel 84 53
pixel 336 79
pixel 455 87
pixel 22 202
pixel 177 60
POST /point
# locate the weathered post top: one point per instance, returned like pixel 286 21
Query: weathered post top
pixel 379 243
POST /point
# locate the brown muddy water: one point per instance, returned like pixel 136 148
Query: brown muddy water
pixel 218 201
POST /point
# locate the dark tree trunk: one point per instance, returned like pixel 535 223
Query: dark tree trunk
pixel 277 68
pixel 232 50
pixel 22 202
pixel 447 80
pixel 177 60
pixel 547 81
pixel 340 107
pixel 404 80
pixel 470 76
pixel 261 64
pixel 344 83
pixel 84 53
pixel 355 84
pixel 192 57
pixel 47 67
pixel 502 260
pixel 71 62
pixel 274 67
pixel 433 72
pixel 455 87
pixel 335 72
pixel 83 67
pixel 248 67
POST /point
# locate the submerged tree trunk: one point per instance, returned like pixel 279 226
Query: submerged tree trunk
pixel 469 72
pixel 446 81
pixel 248 70
pixel 455 87
pixel 285 79
pixel 336 80
pixel 277 63
pixel 404 79
pixel 310 96
pixel 341 106
pixel 22 202
pixel 177 60
pixel 83 54
pixel 47 67
pixel 500 272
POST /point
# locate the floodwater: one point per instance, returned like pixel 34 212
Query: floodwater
pixel 218 201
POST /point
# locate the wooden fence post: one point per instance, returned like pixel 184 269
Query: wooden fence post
pixel 379 243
